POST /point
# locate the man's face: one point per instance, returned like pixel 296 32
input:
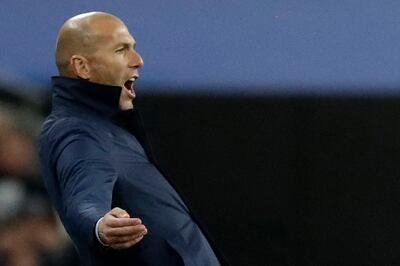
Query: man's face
pixel 114 60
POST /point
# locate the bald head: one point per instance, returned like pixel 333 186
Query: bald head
pixel 81 35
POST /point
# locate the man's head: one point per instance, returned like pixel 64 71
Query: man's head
pixel 98 47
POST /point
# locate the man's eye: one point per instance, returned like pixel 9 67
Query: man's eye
pixel 120 50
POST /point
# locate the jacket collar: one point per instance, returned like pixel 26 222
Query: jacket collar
pixel 103 99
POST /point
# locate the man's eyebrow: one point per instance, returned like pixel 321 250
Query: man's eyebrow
pixel 126 44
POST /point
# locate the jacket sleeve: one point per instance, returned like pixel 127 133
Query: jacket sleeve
pixel 86 179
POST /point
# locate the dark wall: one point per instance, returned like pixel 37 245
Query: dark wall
pixel 286 180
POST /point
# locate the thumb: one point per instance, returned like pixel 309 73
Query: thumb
pixel 119 213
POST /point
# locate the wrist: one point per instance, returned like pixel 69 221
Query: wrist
pixel 97 232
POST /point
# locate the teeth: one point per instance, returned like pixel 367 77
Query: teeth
pixel 132 79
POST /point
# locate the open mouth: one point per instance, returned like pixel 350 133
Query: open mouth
pixel 129 85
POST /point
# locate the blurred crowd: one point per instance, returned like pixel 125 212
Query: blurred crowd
pixel 30 232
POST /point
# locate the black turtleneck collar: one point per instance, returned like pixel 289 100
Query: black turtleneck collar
pixel 103 99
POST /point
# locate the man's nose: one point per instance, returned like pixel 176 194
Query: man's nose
pixel 136 60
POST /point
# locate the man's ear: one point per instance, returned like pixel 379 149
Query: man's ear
pixel 80 66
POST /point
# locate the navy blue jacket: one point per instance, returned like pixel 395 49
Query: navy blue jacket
pixel 92 163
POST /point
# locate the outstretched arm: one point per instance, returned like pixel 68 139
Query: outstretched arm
pixel 86 179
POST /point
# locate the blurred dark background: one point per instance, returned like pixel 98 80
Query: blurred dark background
pixel 286 180
pixel 277 120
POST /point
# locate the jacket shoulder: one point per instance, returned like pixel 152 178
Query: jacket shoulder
pixel 54 127
pixel 58 132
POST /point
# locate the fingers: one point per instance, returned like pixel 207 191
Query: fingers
pixel 118 217
pixel 120 231
pixel 126 230
pixel 119 222
pixel 127 238
pixel 125 241
pixel 127 244
pixel 119 213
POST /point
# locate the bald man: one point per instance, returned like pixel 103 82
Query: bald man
pixel 113 201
